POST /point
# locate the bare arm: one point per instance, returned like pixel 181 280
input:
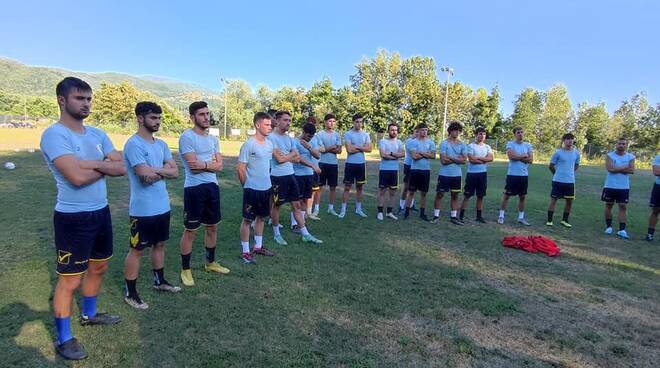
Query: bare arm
pixel 489 157
pixel 196 166
pixel 552 168
pixel 514 156
pixel 366 148
pixel 351 148
pixel 75 171
pixel 445 159
pixel 146 174
pixel 241 170
pixel 113 165
pixel 215 165
pixel 169 170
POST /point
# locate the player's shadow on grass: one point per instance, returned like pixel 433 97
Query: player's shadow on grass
pixel 13 318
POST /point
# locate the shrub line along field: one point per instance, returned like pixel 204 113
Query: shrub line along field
pixel 375 294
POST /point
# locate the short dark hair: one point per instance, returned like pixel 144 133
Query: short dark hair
pixel 309 128
pixel 622 139
pixel 567 136
pixel 479 130
pixel 311 119
pixel 147 107
pixel 329 116
pixel 260 116
pixel 192 109
pixel 272 113
pixel 280 113
pixel 421 126
pixel 517 129
pixel 455 125
pixel 391 125
pixel 68 84
pixel 357 116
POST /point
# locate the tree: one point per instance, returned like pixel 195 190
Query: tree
pixel 420 91
pixel 241 104
pixel 527 112
pixel 264 98
pixel 486 110
pixel 556 117
pixel 590 127
pixel 292 100
pixel 320 99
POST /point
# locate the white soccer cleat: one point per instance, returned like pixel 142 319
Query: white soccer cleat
pixel 608 231
pixel 360 213
pixel 341 214
pixel 500 220
pixel 391 215
pixel 622 234
pixel 379 216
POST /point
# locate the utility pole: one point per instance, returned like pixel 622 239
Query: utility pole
pixel 450 72
pixel 224 87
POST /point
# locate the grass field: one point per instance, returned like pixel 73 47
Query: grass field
pixel 404 293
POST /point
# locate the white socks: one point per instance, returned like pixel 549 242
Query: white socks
pixel 501 214
pixel 245 246
pixel 436 212
pixel 258 241
pixel 521 215
pixel 453 213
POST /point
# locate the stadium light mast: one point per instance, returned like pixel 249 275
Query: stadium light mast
pixel 224 87
pixel 450 72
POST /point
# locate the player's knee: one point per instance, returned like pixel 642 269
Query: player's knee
pixel 656 211
pixel 622 206
pixel 69 282
pixel 98 268
pixel 135 252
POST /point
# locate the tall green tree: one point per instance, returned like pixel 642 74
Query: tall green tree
pixel 591 126
pixel 527 113
pixel 556 117
pixel 420 90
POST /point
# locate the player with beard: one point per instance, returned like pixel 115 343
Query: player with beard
pixel 200 153
pixel 331 142
pixel 391 150
pixel 563 165
pixel 453 154
pixel 619 164
pixel 79 157
pixel 520 156
pixel 476 180
pixel 357 143
pixel 149 162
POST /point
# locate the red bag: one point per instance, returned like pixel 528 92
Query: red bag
pixel 532 244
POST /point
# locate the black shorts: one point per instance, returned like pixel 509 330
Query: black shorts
pixel 329 174
pixel 611 195
pixel 305 185
pixel 562 190
pixel 355 173
pixel 316 182
pixel 451 184
pixel 655 196
pixel 419 180
pixel 256 203
pixel 285 189
pixel 147 231
pixel 388 179
pixel 516 185
pixel 476 183
pixel 80 238
pixel 406 173
pixel 201 205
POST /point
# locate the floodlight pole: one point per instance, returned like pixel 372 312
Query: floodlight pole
pixel 450 72
pixel 224 87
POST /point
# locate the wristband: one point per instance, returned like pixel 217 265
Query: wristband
pixel 206 165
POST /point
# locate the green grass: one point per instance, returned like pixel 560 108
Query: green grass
pixel 403 293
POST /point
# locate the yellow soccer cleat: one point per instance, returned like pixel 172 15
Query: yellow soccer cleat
pixel 566 224
pixel 186 278
pixel 215 267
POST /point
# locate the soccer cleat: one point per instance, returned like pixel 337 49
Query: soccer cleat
pixel 566 224
pixel 649 237
pixel 332 212
pixel 99 319
pixel 413 208
pixel 622 234
pixel 391 215
pixel 295 229
pixel 216 267
pixel 186 278
pixel 481 220
pixel 500 220
pixel 608 231
pixel 280 240
pixel 435 219
pixel 456 221
pixel 379 217
pixel 341 214
pixel 314 216
pixel 309 238
pixel 263 251
pixel 166 286
pixel 523 221
pixel 71 350
pixel 135 302
pixel 247 258
pixel 360 213
pixel 425 218
pixel 549 223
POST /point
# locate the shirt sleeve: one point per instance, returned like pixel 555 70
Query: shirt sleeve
pixel 294 144
pixel 530 149
pixel 656 162
pixel 577 159
pixel 134 155
pixel 244 153
pixel 368 139
pixel 509 145
pixel 431 146
pixel 186 144
pixel 55 144
pixel 106 143
pixel 167 154
pixel 554 158
pixel 216 143
pixel 443 148
pixel 489 150
pixel 337 139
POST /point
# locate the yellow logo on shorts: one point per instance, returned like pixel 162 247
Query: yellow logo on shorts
pixel 135 239
pixel 63 257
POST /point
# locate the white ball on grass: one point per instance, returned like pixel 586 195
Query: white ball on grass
pixel 10 166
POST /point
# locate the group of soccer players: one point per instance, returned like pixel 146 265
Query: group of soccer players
pixel 273 168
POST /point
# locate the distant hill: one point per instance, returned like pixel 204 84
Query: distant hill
pixel 28 80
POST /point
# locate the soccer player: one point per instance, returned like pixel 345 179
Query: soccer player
pixel 655 199
pixel 357 142
pixel 453 154
pixel 79 157
pixel 619 164
pixel 149 162
pixel 563 165
pixel 391 150
pixel 520 157
pixel 200 153
pixel 407 161
pixel 285 187
pixel 422 149
pixel 331 142
pixel 479 154
pixel 254 175
pixel 305 169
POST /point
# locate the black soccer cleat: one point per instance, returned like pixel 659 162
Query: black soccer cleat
pixel 99 319
pixel 71 350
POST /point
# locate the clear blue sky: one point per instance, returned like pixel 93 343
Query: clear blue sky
pixel 602 50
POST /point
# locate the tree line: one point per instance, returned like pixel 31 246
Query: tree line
pixel 387 88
